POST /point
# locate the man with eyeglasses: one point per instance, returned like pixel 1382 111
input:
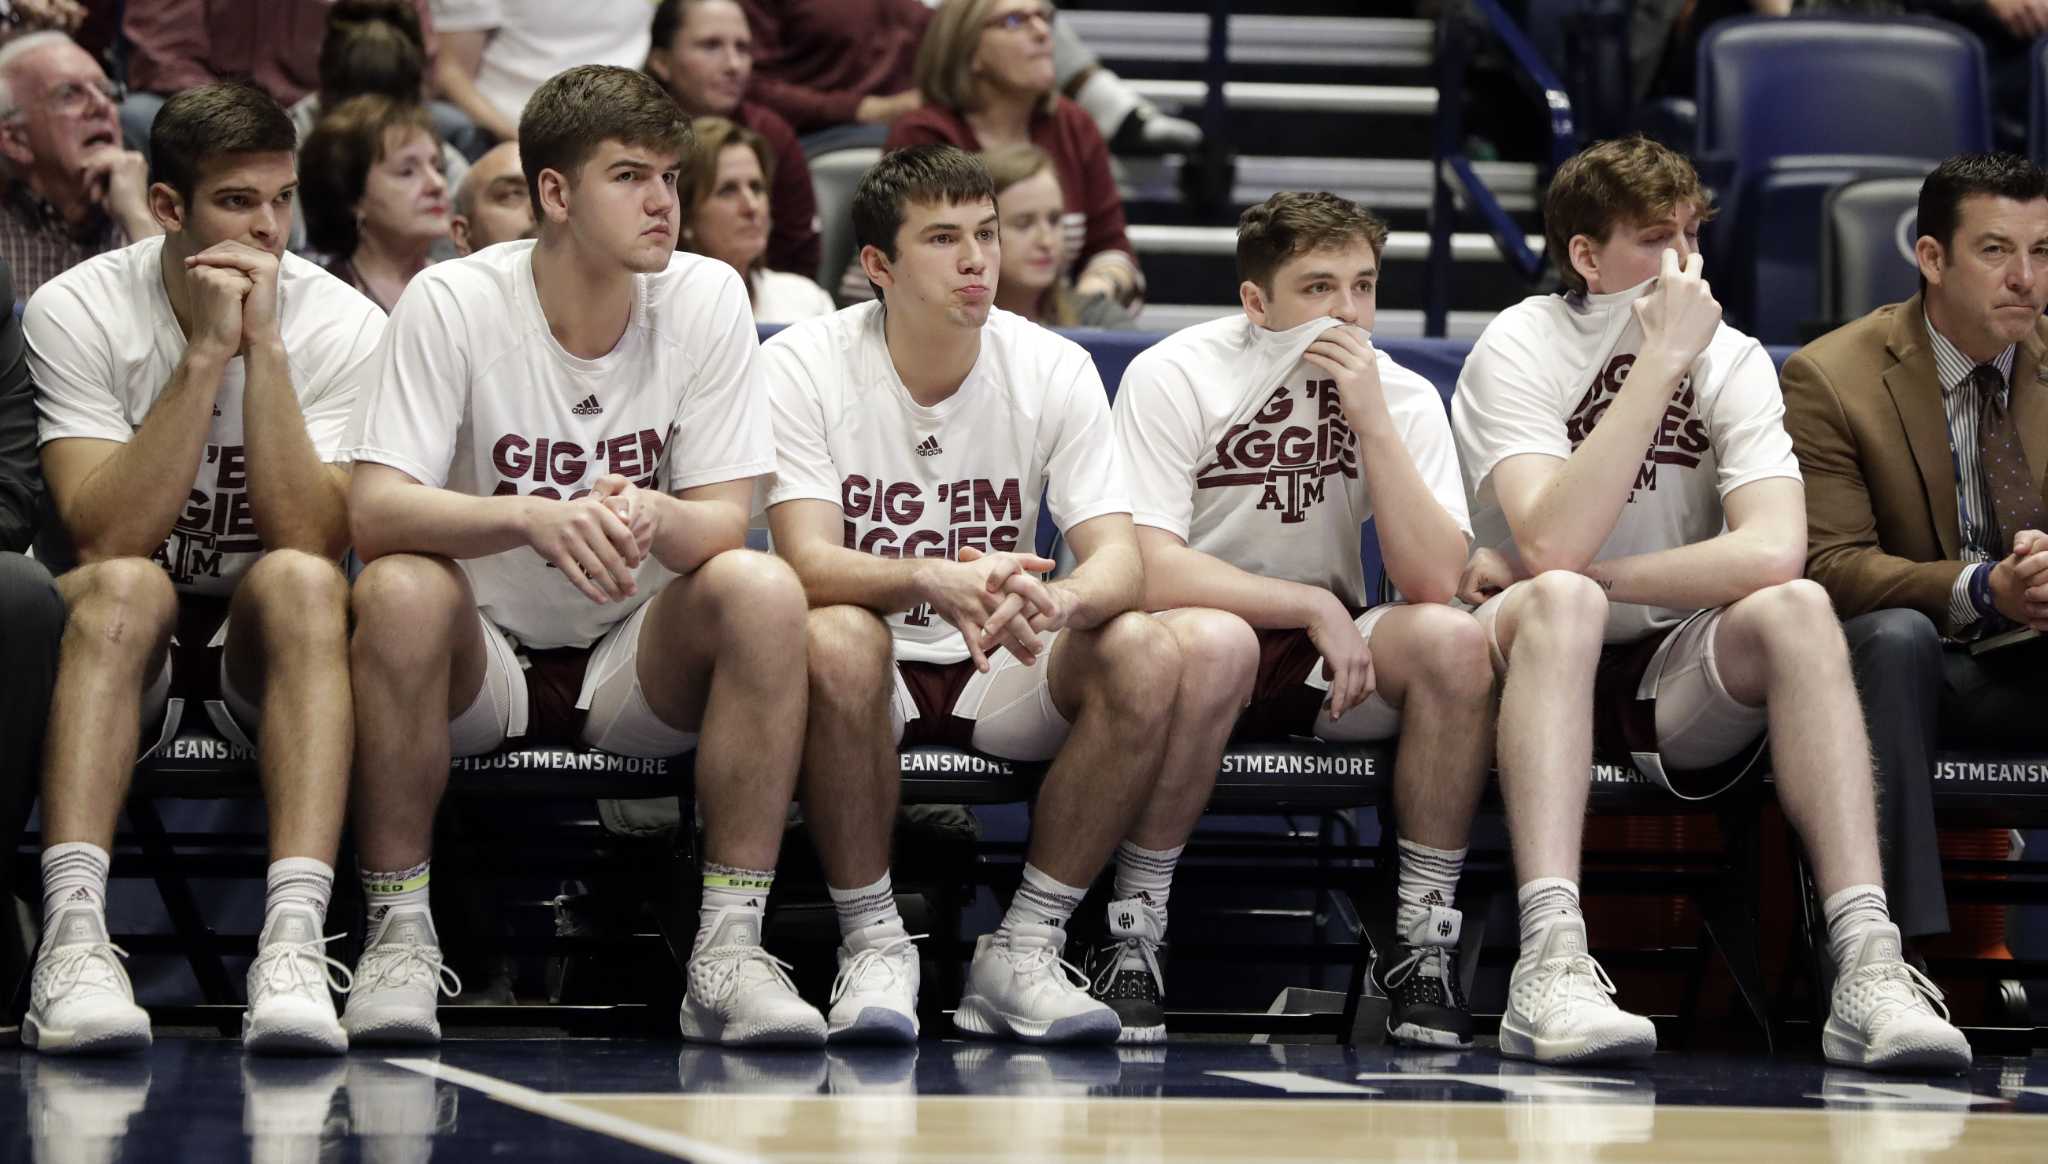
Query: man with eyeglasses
pixel 77 191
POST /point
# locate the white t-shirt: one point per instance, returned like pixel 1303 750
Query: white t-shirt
pixel 1238 446
pixel 1031 418
pixel 532 40
pixel 785 297
pixel 475 395
pixel 102 344
pixel 1544 372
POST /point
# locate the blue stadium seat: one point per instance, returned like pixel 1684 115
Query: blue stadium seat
pixel 1782 209
pixel 1866 247
pixel 2037 101
pixel 1775 90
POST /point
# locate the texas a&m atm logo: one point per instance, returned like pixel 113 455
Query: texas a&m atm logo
pixel 1681 436
pixel 1290 457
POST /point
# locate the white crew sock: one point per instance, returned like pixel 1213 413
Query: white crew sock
pixel 384 892
pixel 1041 901
pixel 862 909
pixel 296 883
pixel 1850 913
pixel 1429 877
pixel 74 875
pixel 1543 903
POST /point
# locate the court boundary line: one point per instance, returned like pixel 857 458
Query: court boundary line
pixel 554 1107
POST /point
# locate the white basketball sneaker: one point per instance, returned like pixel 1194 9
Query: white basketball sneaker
pixel 290 1011
pixel 740 995
pixel 874 998
pixel 1020 987
pixel 1886 1016
pixel 80 1000
pixel 1561 1007
pixel 398 982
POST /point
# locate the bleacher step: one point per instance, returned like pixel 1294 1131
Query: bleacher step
pixel 1181 37
pixel 1282 97
pixel 1378 183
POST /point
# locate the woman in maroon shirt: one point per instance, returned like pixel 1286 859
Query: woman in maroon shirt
pixel 986 73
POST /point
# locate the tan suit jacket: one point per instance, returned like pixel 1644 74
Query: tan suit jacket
pixel 1863 405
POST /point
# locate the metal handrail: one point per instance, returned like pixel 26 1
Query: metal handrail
pixel 1450 165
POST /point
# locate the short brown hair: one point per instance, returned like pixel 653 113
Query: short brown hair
pixel 579 109
pixel 933 174
pixel 199 125
pixel 372 46
pixel 710 137
pixel 944 70
pixel 1293 223
pixel 335 164
pixel 1629 181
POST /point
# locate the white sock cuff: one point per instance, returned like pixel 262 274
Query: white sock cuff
pixel 1419 849
pixel 879 887
pixel 1845 898
pixel 1531 890
pixel 75 850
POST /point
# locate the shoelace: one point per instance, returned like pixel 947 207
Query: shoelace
pixel 67 966
pixel 401 962
pixel 1065 974
pixel 721 966
pixel 1147 952
pixel 283 966
pixel 1410 966
pixel 857 966
pixel 1917 989
pixel 1564 980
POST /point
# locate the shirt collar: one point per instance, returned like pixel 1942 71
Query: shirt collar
pixel 1955 368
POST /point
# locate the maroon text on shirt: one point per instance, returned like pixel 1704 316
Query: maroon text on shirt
pixel 1681 438
pixel 212 525
pixel 555 467
pixel 1289 462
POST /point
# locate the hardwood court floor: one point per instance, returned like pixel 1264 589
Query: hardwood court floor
pixel 601 1100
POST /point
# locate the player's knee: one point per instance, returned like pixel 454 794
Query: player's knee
pixel 850 652
pixel 1141 668
pixel 1457 662
pixel 1799 609
pixel 403 606
pixel 297 587
pixel 1566 602
pixel 755 586
pixel 1219 656
pixel 126 604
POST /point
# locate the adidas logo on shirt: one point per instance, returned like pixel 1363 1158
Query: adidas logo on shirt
pixel 588 406
pixel 929 447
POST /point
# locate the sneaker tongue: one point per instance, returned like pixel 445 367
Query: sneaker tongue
pixel 1436 926
pixel 291 925
pixel 405 927
pixel 737 928
pixel 1880 944
pixel 1566 940
pixel 80 925
pixel 1134 917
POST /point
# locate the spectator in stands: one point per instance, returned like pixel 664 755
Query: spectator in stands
pixel 1698 542
pixel 841 71
pixel 491 203
pixel 726 216
pixel 373 46
pixel 986 73
pixel 74 192
pixel 1034 282
pixel 937 601
pixel 193 392
pixel 495 53
pixel 175 45
pixel 1296 375
pixel 376 203
pixel 31 621
pixel 1887 414
pixel 604 539
pixel 704 53
pixel 22 17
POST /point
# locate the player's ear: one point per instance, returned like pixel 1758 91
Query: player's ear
pixel 166 207
pixel 1254 300
pixel 875 265
pixel 1584 255
pixel 554 196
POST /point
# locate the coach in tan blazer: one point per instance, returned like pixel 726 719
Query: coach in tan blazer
pixel 1922 432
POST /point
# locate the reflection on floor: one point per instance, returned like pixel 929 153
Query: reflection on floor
pixel 591 1100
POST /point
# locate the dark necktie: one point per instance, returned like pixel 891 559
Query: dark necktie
pixel 2015 503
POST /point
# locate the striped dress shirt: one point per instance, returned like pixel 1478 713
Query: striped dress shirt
pixel 1965 407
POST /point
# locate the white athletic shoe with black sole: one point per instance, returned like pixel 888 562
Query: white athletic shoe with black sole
pixel 398 983
pixel 874 998
pixel 80 1000
pixel 1020 988
pixel 1561 1008
pixel 740 995
pixel 290 1011
pixel 1886 1016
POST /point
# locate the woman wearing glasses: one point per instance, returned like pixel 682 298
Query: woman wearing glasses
pixel 986 73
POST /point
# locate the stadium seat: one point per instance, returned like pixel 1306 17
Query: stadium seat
pixel 833 178
pixel 2037 101
pixel 1780 229
pixel 1827 86
pixel 1866 247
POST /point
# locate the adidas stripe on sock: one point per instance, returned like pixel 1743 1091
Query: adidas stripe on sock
pixel 398 889
pixel 74 874
pixel 1428 877
pixel 726 888
pixel 1041 901
pixel 1146 873
pixel 866 906
pixel 297 883
pixel 1542 903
